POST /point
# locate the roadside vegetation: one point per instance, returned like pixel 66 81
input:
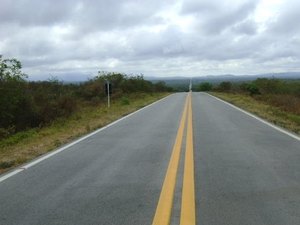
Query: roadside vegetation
pixel 37 117
pixel 275 100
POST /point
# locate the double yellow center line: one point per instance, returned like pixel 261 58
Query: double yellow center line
pixel 164 206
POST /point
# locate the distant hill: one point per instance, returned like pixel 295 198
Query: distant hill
pixel 182 82
pixel 175 80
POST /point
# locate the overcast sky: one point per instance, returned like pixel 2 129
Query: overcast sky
pixel 75 39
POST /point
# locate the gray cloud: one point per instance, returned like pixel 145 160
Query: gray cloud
pixel 214 18
pixel 150 36
pixel 35 12
pixel 287 22
pixel 247 27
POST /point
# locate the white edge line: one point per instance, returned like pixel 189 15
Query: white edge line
pixel 10 174
pixel 36 161
pixel 259 119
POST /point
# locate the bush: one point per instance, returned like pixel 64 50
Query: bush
pixel 252 89
pixel 6 164
pixel 66 105
pixel 225 86
pixel 26 105
pixel 270 86
pixel 4 133
pixel 205 87
pixel 161 87
pixel 14 98
pixel 279 93
pixel 125 101
pixel 288 103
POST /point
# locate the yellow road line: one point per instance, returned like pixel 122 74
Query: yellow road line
pixel 188 215
pixel 164 206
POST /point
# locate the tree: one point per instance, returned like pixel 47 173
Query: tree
pixel 205 86
pixel 225 86
pixel 270 86
pixel 252 89
pixel 10 69
pixel 14 101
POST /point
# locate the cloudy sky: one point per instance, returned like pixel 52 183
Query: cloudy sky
pixel 75 39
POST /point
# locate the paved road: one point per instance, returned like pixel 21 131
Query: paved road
pixel 245 172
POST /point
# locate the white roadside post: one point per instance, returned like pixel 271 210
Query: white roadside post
pixel 108 95
pixel 107 90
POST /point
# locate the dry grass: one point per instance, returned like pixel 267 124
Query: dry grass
pixel 288 103
pixel 268 111
pixel 28 145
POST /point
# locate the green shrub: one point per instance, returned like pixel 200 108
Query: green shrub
pixel 205 87
pixel 252 89
pixel 25 105
pixel 6 164
pixel 4 133
pixel 225 86
pixel 125 101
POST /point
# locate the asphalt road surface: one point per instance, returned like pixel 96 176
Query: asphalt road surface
pixel 187 159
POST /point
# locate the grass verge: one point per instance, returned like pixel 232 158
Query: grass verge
pixel 273 114
pixel 25 146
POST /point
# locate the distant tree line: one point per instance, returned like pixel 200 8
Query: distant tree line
pixel 282 93
pixel 27 104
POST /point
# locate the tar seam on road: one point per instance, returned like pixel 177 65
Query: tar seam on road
pixel 164 207
pixel 257 118
pixel 40 159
